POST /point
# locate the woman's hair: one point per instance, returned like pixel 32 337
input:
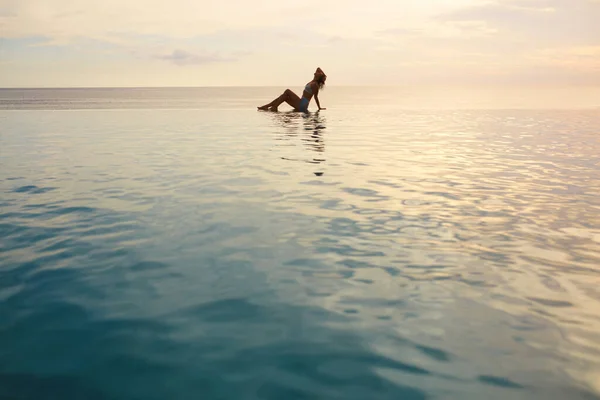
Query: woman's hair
pixel 321 81
pixel 320 78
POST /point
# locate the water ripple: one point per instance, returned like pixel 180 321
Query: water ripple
pixel 378 254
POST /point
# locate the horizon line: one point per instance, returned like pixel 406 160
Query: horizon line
pixel 279 86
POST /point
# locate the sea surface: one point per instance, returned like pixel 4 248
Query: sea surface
pixel 179 244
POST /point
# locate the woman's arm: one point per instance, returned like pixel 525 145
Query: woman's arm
pixel 317 99
pixel 315 88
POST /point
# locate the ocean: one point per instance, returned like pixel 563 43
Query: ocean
pixel 176 243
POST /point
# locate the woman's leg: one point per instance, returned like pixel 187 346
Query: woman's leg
pixel 288 96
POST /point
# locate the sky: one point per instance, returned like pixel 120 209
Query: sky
pixel 74 43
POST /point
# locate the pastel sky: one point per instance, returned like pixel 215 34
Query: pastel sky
pixel 49 43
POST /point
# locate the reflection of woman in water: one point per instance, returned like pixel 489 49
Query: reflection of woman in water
pixel 300 104
pixel 312 126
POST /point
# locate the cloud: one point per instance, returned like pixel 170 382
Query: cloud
pixel 541 22
pixel 182 57
pixel 397 32
pixel 506 28
pixel 585 59
pixel 507 41
pixel 442 30
pixel 71 19
pixel 385 40
pixel 502 9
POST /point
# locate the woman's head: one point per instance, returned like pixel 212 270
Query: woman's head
pixel 320 77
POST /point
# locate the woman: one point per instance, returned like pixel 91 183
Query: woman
pixel 300 104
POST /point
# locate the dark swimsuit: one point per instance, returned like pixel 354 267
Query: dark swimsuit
pixel 304 101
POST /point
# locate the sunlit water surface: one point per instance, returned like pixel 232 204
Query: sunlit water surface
pixel 164 244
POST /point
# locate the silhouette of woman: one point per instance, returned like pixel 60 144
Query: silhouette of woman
pixel 300 104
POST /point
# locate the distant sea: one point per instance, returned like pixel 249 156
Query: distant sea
pixel 176 243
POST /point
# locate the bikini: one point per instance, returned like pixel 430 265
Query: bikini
pixel 304 101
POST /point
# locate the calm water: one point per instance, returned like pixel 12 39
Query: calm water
pixel 178 244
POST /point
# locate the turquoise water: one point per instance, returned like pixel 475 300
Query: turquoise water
pixel 178 244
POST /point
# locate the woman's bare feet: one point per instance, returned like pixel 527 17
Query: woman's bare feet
pixel 263 108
